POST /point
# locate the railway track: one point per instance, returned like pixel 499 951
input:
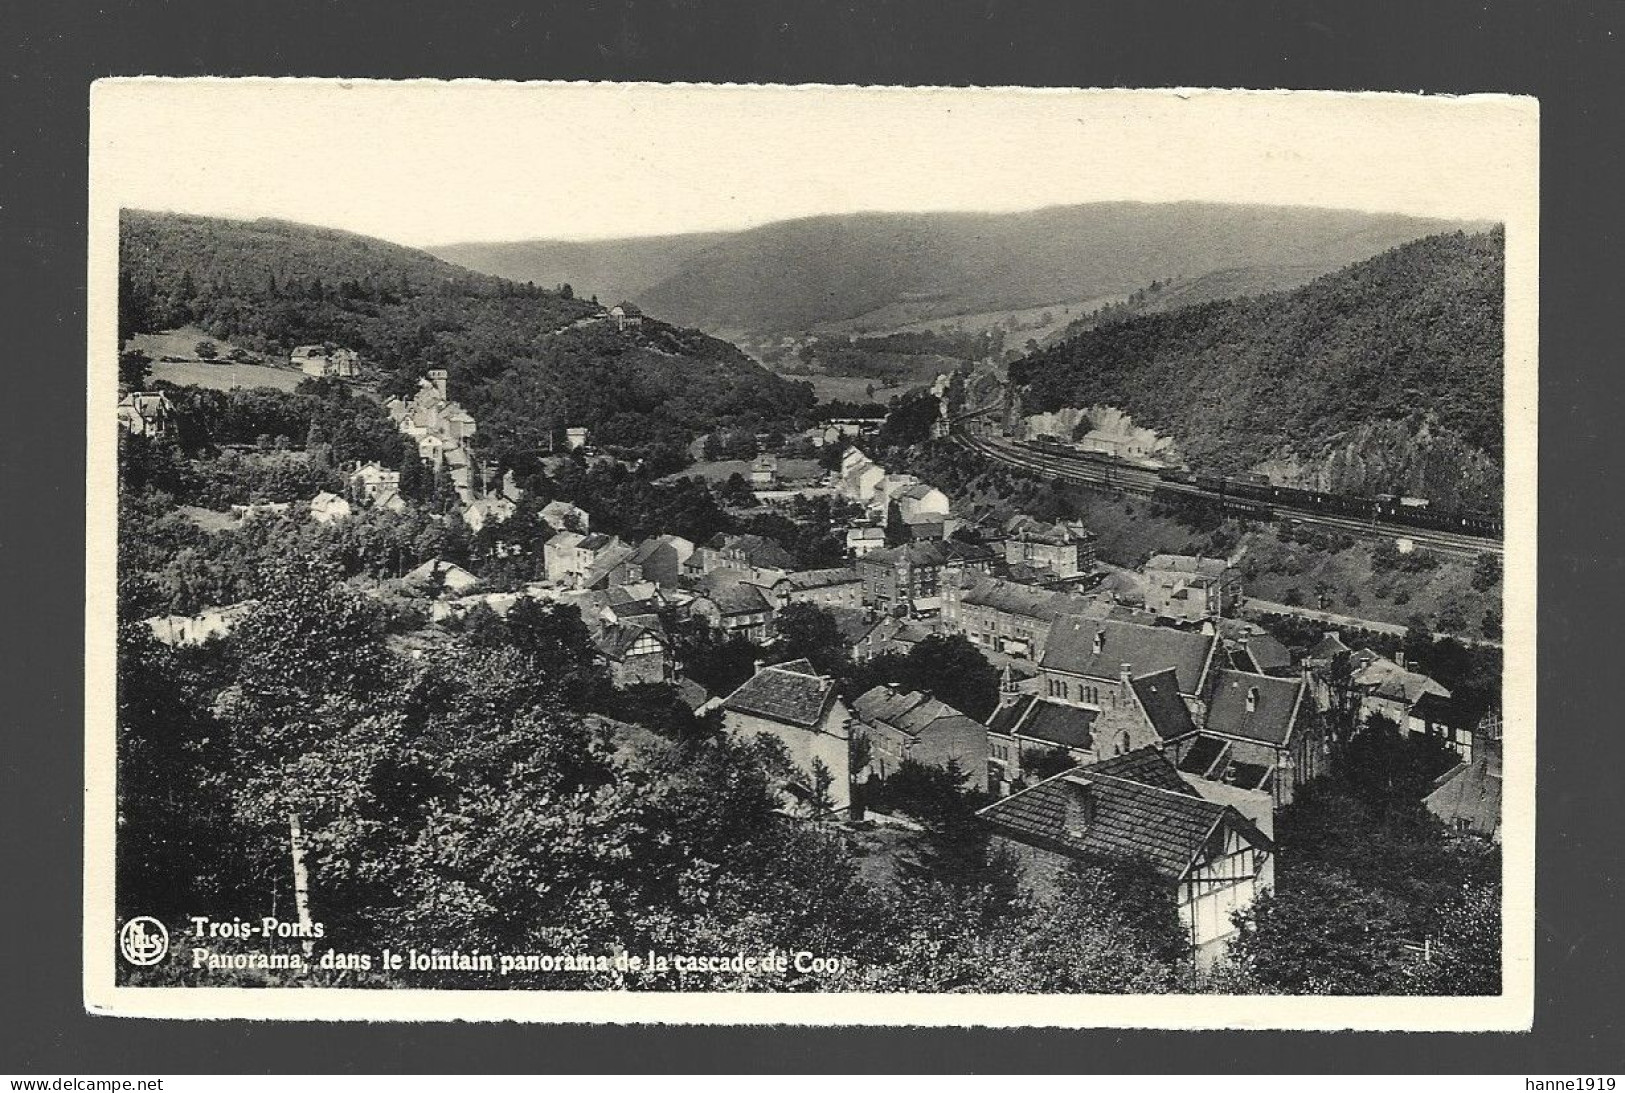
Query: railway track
pixel 1134 480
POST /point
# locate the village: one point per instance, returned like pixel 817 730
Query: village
pixel 1143 714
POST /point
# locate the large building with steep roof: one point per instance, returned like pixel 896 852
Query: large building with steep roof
pixel 1086 656
pixel 1138 807
pixel 1189 588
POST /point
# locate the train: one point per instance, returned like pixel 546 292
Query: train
pixel 1255 496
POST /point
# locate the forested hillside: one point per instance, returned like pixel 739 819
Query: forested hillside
pixel 900 268
pixel 526 361
pixel 1321 377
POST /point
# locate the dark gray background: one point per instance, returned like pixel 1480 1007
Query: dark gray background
pixel 1567 54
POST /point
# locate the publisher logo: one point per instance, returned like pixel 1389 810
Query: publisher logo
pixel 143 941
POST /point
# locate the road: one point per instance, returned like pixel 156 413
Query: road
pixel 1268 607
pixel 1137 480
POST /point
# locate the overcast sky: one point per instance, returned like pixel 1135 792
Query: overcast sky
pixel 426 163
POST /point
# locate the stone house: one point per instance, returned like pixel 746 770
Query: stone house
pixel 662 558
pixel 1190 588
pixel 626 316
pixel 1138 806
pixel 838 587
pixel 1085 658
pixel 752 557
pixel 328 361
pixel 902 725
pixel 1065 550
pixel 888 634
pixel 372 481
pixel 491 509
pixel 569 557
pixel 801 709
pixel 1027 722
pixel 733 606
pixel 861 541
pixel 1009 618
pixel 1260 733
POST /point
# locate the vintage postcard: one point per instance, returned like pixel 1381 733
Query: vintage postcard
pixel 826 555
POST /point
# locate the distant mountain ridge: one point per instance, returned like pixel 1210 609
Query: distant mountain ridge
pixel 800 275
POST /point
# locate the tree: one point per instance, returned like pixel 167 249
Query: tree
pixel 1321 934
pixel 737 493
pixel 897 532
pixel 808 631
pixel 949 668
pixel 133 368
pixel 1486 572
pixel 206 351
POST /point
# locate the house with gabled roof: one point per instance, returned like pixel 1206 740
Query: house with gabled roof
pixel 147 413
pixel 1190 587
pixel 1138 807
pixel 801 709
pixel 1467 797
pixel 567 517
pixel 439 576
pixel 733 605
pixel 1065 549
pixel 1008 617
pixel 626 315
pixel 1028 722
pixel 1084 657
pixel 839 586
pixel 904 725
pixel 1260 733
pixel 633 651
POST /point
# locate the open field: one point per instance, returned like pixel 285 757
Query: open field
pixel 849 388
pixel 223 377
pixel 219 374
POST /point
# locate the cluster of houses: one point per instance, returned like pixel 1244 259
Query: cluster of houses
pixel 921 506
pixel 441 429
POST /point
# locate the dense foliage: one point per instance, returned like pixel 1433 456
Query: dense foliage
pixel 526 362
pixel 1412 335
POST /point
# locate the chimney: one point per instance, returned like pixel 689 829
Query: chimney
pixel 1125 673
pixel 1399 658
pixel 1080 808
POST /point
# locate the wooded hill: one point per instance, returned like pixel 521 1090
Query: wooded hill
pixel 526 361
pixel 1403 351
pixel 1388 371
pixel 892 269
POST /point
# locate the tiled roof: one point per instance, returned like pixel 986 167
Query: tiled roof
pixel 779 694
pixel 1274 714
pixel 565 540
pixel 822 578
pixel 596 540
pixel 1148 766
pixel 1471 793
pixel 1017 599
pixel 909 712
pixel 733 597
pixel 758 551
pixel 1158 694
pixel 1328 647
pixel 1054 723
pixel 1126 816
pixel 1145 649
pixel 615 639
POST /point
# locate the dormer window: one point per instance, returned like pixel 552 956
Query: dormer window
pixel 1100 641
pixel 1252 699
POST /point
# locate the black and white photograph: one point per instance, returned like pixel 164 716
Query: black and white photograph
pixel 808 554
